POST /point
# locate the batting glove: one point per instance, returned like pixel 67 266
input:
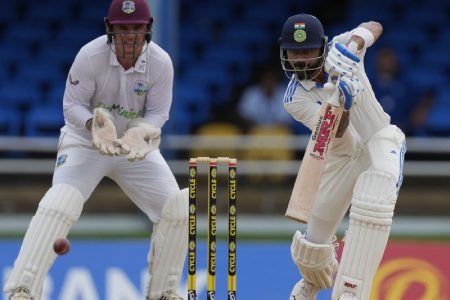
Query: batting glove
pixel 139 139
pixel 104 132
pixel 351 91
pixel 341 61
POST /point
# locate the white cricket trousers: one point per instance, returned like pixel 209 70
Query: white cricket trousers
pixel 148 182
pixel 384 151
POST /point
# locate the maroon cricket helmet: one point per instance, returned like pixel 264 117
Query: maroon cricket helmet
pixel 129 12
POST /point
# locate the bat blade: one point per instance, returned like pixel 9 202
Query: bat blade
pixel 313 163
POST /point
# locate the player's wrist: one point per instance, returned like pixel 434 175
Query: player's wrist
pixel 365 34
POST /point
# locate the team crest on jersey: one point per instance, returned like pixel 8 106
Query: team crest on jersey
pixel 299 33
pixel 141 87
pixel 128 6
pixel 61 160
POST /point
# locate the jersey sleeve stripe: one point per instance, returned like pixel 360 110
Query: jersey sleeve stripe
pixel 292 86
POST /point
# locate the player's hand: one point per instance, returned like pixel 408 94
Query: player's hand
pixel 104 132
pixel 341 61
pixel 351 91
pixel 139 140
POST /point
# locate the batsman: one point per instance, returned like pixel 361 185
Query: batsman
pixel 117 98
pixel 362 169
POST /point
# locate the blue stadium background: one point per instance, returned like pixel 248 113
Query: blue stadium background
pixel 219 46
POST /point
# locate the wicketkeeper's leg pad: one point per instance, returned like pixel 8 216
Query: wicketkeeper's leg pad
pixel 316 262
pixel 168 246
pixel 371 213
pixel 58 210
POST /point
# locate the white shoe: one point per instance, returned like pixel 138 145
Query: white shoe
pixel 20 293
pixel 304 290
pixel 171 295
pixel 347 296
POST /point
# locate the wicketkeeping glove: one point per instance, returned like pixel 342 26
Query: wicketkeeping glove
pixel 139 139
pixel 341 61
pixel 104 132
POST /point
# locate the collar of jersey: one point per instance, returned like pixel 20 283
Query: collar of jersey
pixel 309 84
pixel 140 66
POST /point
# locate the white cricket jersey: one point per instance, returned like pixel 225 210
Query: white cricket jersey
pixel 302 100
pixel 96 79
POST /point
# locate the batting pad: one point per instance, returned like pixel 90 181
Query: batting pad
pixel 371 214
pixel 58 210
pixel 316 262
pixel 168 246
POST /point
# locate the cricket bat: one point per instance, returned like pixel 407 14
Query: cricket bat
pixel 314 160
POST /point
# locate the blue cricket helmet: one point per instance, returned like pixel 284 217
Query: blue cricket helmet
pixel 303 31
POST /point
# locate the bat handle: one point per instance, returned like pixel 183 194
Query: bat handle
pixel 333 78
pixel 331 87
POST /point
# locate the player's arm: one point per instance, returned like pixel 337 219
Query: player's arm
pixel 159 98
pixel 364 36
pixel 346 52
pixel 303 110
pixel 80 88
pixel 301 105
pixel 350 93
pixel 343 124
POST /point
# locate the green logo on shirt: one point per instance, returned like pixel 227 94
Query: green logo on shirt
pixel 121 111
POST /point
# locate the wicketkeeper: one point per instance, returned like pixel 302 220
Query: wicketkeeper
pixel 117 98
pixel 364 167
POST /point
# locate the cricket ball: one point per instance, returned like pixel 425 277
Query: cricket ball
pixel 61 246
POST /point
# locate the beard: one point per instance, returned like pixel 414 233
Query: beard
pixel 306 70
pixel 307 74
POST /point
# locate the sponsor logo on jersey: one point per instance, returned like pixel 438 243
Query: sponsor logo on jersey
pixel 61 160
pixel 141 87
pixel 121 111
pixel 74 82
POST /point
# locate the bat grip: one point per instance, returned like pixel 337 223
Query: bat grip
pixel 333 78
pixel 332 88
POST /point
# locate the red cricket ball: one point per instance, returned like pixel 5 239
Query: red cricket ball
pixel 61 246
